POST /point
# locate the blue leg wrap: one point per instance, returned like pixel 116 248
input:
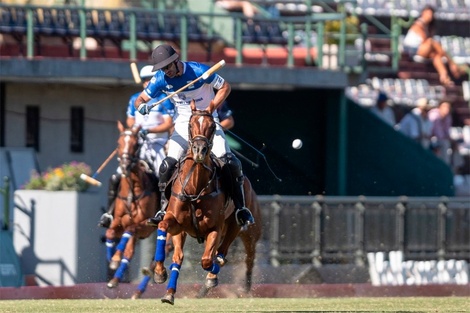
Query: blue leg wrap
pixel 143 284
pixel 110 249
pixel 121 269
pixel 125 238
pixel 175 272
pixel 160 246
pixel 221 256
pixel 215 269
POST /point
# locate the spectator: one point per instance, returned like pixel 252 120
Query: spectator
pixel 155 131
pixel 416 124
pixel 383 110
pixel 419 41
pixel 248 9
pixel 441 123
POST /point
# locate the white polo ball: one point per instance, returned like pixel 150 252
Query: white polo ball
pixel 297 144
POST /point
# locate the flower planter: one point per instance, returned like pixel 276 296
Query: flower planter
pixel 56 237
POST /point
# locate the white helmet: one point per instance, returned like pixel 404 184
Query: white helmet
pixel 147 72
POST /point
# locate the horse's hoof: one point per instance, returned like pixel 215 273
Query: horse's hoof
pixel 202 292
pixel 160 278
pixel 137 294
pixel 146 271
pixel 113 265
pixel 168 298
pixel 113 283
pixel 211 282
pixel 221 260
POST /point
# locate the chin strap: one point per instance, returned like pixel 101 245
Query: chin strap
pixel 177 68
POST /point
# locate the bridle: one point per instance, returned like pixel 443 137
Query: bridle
pixel 206 142
pixel 126 159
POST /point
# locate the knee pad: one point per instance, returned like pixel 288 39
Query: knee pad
pixel 166 168
pixel 234 165
pixel 114 179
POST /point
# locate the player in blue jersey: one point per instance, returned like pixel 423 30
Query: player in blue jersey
pixel 225 114
pixel 171 75
pixel 156 126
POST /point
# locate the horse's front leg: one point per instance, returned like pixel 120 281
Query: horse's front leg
pixel 178 256
pixel 122 263
pixel 230 235
pixel 110 243
pixel 208 260
pixel 160 274
pixel 119 250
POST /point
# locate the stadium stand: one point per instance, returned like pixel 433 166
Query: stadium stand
pixel 415 77
pixel 103 25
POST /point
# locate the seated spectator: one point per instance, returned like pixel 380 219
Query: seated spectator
pixel 248 9
pixel 419 41
pixel 416 124
pixel 442 123
pixel 383 110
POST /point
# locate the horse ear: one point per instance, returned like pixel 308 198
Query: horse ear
pixel 120 126
pixel 193 105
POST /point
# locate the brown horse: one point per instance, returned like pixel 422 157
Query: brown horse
pixel 137 200
pixel 199 206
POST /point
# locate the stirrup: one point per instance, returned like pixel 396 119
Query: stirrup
pixel 244 217
pixel 105 220
pixel 154 221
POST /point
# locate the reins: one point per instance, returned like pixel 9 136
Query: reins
pixel 183 196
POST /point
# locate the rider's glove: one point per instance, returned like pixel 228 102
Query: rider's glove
pixel 144 132
pixel 143 109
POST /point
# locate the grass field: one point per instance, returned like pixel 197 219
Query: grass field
pixel 443 304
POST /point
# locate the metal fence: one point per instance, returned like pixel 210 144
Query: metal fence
pixel 322 230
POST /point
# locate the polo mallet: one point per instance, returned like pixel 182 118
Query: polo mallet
pixel 205 75
pixel 257 151
pixel 135 73
pixel 92 180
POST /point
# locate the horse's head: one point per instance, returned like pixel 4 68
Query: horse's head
pixel 201 132
pixel 127 149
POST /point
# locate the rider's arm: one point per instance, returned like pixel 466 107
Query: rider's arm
pixel 142 98
pixel 227 123
pixel 130 121
pixel 222 94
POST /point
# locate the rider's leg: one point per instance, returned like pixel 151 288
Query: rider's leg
pixel 166 171
pixel 113 186
pixel 242 213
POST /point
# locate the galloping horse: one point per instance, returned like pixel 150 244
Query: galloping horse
pixel 137 200
pixel 199 205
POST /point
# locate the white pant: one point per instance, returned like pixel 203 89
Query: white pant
pixel 178 143
pixel 154 153
pixel 151 152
